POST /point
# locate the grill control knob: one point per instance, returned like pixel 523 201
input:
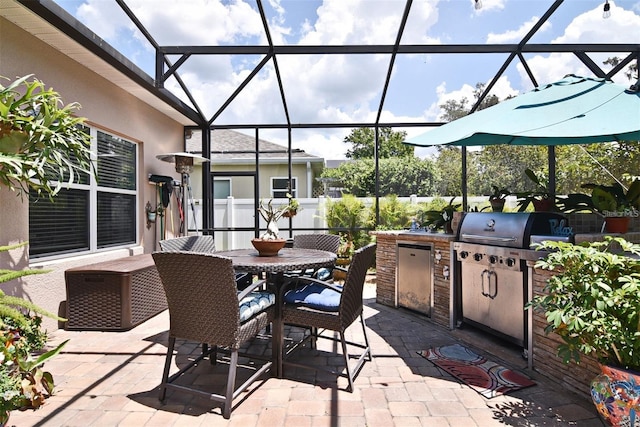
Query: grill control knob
pixel 464 254
pixel 511 262
pixel 493 259
pixel 477 257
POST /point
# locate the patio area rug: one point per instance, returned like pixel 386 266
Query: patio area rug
pixel 484 376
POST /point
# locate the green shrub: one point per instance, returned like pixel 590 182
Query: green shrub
pixel 346 216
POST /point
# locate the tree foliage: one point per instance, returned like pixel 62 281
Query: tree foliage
pixel 399 176
pixel 504 165
pixel 362 142
pixel 394 214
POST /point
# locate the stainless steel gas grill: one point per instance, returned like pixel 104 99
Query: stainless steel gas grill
pixel 490 273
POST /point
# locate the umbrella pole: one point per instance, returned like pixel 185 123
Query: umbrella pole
pixel 551 159
pixel 464 179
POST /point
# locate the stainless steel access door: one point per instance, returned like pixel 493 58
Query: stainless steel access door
pixel 414 277
pixel 494 298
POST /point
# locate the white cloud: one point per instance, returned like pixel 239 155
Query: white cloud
pixel 517 35
pixel 103 19
pixel 329 88
pixel 502 89
pixel 589 27
pixel 490 5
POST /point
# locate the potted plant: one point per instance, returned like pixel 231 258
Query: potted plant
pixel 23 383
pixel 270 243
pixel 39 138
pixel 498 198
pixel 540 196
pixel 345 253
pixel 440 219
pixel 613 202
pixel 41 143
pixel 294 207
pixel 593 303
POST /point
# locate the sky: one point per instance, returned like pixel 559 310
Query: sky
pixel 337 88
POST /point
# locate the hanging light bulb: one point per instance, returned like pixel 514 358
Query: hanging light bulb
pixel 606 11
pixel 478 4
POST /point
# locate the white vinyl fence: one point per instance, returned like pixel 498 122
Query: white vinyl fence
pixel 231 212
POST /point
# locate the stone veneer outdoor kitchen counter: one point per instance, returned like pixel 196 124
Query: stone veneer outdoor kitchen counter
pixel 545 360
pixel 386 262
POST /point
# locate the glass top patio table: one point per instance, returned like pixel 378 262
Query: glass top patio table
pixel 288 259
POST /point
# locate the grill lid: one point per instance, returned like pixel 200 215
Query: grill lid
pixel 510 229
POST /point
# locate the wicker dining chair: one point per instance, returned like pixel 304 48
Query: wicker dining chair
pixel 201 244
pixel 319 241
pixel 320 305
pixel 206 307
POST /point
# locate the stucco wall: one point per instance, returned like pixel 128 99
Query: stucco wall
pixel 242 187
pixel 105 106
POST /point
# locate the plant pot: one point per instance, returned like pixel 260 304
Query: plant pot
pixel 448 228
pixel 615 394
pixel 497 205
pixel 290 214
pixel 342 262
pixel 616 224
pixel 268 247
pixel 543 205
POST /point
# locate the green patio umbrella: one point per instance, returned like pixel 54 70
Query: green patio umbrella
pixel 574 110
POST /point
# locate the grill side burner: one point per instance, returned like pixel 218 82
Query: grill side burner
pixel 491 284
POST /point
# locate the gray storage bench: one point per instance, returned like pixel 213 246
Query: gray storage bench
pixel 114 295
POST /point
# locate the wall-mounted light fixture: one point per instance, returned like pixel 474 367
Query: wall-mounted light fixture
pixel 606 10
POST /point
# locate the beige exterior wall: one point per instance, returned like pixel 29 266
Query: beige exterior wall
pixel 105 106
pixel 242 187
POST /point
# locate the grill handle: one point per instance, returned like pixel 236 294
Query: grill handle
pixel 481 238
pixel 490 293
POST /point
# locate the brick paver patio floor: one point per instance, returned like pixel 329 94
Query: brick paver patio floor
pixel 112 379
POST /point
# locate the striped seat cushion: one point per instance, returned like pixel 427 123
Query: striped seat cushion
pixel 254 303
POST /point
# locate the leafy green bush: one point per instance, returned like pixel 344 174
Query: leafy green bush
pixel 593 300
pixel 394 214
pixel 346 216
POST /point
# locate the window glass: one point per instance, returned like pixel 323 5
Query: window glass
pixel 280 188
pixel 116 219
pixel 96 212
pixel 221 188
pixel 116 162
pixel 59 226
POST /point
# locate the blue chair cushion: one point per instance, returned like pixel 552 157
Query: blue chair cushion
pixel 322 274
pixel 314 296
pixel 254 303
